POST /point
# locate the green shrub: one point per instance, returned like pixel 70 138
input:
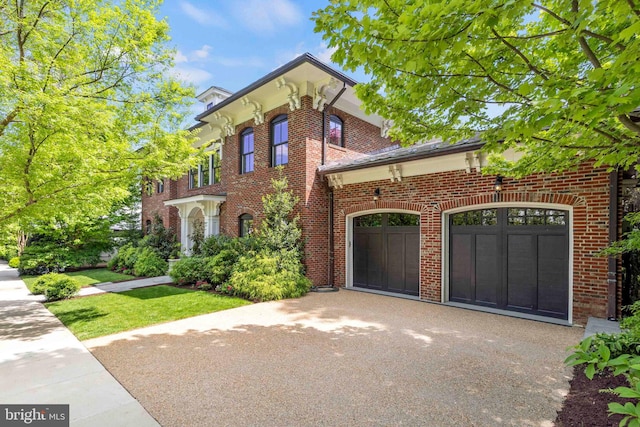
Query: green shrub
pixel 14 262
pixel 188 271
pixel 268 277
pixel 149 263
pixel 55 286
pixel 128 257
pixel 221 265
pixel 163 240
pixel 212 245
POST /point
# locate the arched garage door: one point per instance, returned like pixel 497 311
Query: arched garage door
pixel 386 252
pixel 511 259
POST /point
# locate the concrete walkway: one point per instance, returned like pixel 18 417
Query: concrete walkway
pixel 41 362
pixel 124 286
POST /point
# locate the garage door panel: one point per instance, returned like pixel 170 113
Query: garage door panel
pixel 374 265
pixel 487 269
pixel 553 274
pixel 412 263
pixel 386 252
pixel 516 259
pixel 461 271
pixel 395 262
pixel 521 274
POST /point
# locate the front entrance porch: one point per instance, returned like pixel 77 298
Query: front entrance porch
pixel 203 208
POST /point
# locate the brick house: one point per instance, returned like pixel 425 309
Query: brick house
pixel 420 222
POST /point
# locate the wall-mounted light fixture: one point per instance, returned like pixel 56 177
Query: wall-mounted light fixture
pixel 376 194
pixel 497 186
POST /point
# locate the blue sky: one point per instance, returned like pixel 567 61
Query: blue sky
pixel 231 44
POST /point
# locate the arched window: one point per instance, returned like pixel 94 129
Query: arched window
pixel 246 150
pixel 280 140
pixel 148 226
pixel 246 224
pixel 336 133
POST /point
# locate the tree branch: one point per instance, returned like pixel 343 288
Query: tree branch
pixel 552 13
pixel 521 55
pixel 35 23
pixel 494 81
pixel 7 120
pixel 628 123
pixel 391 9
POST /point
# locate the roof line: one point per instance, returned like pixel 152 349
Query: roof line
pixel 451 149
pixel 306 57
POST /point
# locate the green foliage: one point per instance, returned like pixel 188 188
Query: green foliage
pixel 279 231
pixel 14 262
pixel 55 286
pixel 164 240
pixel 10 239
pixel 125 260
pixel 214 243
pixel 87 104
pixel 621 354
pixel 149 263
pixel 267 277
pixel 57 244
pixel 188 271
pixel 197 237
pixel 556 81
pixel 632 322
pixel 203 285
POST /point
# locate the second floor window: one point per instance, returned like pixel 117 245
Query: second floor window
pixel 207 173
pixel 246 151
pixel 160 187
pixel 335 131
pixel 280 141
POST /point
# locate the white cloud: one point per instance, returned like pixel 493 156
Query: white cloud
pixel 267 16
pixel 192 75
pixel 202 53
pixel 180 57
pixel 202 16
pixel 324 53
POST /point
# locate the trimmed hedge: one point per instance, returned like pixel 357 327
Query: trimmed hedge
pixel 55 286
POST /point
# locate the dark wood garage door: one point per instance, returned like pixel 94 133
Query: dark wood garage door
pixel 511 259
pixel 386 252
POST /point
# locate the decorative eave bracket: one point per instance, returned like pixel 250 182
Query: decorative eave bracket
pixel 396 173
pixel 294 94
pixel 227 127
pixel 320 93
pixel 258 116
pixel 335 180
pixel 473 161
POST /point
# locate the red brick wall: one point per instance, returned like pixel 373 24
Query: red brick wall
pixel 586 189
pixel 244 191
pixel 153 204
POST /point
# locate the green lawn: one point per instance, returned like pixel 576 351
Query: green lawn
pixel 105 314
pixel 87 277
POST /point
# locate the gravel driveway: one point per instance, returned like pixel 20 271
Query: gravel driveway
pixel 344 358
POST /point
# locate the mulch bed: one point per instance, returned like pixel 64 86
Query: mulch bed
pixel 586 405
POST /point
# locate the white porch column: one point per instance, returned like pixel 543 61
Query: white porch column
pixel 211 211
pixel 184 228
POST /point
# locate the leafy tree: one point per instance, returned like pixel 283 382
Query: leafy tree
pixel 563 74
pixel 86 106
